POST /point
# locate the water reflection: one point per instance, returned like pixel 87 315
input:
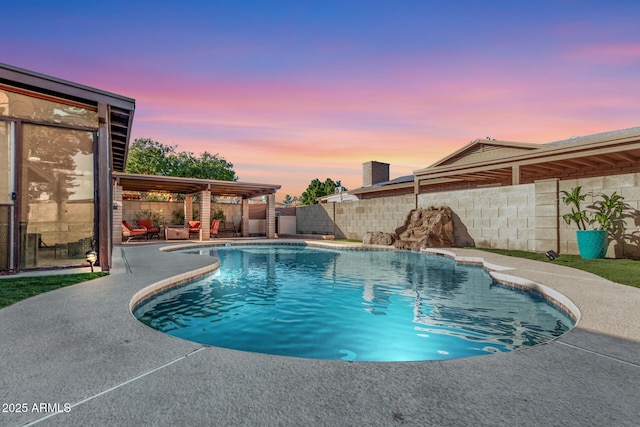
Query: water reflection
pixel 321 303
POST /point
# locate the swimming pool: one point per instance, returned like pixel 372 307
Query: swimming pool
pixel 351 305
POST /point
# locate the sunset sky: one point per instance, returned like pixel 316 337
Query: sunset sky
pixel 289 91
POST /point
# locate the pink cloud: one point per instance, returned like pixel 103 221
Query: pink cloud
pixel 414 120
pixel 622 53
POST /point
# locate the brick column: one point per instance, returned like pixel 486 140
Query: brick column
pixel 245 217
pixel 188 209
pixel 271 216
pixel 117 215
pixel 205 214
pixel 547 215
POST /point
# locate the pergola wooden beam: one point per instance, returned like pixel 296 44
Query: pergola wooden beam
pixel 171 184
pixel 536 163
pixel 625 156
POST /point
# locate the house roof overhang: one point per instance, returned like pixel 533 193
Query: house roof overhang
pixel 119 112
pixel 399 183
pixel 480 145
pixel 612 150
pixel 172 184
pixel 379 188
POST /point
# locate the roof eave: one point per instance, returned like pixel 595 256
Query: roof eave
pixel 538 156
pixel 376 189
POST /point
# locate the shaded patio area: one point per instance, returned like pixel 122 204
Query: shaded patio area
pixel 205 189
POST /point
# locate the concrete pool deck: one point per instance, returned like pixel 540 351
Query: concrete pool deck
pixel 81 346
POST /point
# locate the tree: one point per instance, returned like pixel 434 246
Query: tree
pixel 318 189
pixel 288 201
pixel 150 157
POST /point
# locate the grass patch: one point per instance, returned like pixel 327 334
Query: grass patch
pixel 16 289
pixel 624 271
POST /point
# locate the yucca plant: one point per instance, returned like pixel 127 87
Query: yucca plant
pixel 577 215
pixel 607 212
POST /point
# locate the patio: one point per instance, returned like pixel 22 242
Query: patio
pixel 205 189
pixel 85 348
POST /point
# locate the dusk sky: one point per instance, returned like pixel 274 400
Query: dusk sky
pixel 289 91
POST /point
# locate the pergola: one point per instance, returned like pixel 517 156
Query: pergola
pixel 205 188
pixel 596 155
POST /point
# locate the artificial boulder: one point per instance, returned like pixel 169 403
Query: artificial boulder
pixel 426 228
pixel 379 238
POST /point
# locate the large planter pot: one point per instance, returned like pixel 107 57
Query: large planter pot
pixel 592 244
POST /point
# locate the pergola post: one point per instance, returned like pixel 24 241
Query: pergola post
pixel 515 174
pixel 205 214
pixel 188 209
pixel 245 217
pixel 271 216
pixel 116 237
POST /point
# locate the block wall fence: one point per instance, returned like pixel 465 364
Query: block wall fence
pixel 132 209
pixel 627 185
pixel 521 217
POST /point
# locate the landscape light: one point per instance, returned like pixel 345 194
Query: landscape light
pixel 552 255
pixel 91 257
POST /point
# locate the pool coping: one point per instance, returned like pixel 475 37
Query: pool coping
pixel 554 297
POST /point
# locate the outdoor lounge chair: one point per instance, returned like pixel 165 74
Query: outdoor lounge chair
pixel 131 232
pixel 194 226
pixel 215 226
pixel 151 229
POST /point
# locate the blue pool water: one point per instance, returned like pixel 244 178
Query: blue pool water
pixel 351 305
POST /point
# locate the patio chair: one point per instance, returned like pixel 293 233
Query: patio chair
pixel 151 229
pixel 131 232
pixel 215 226
pixel 194 227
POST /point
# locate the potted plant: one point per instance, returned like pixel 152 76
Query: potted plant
pixel 603 216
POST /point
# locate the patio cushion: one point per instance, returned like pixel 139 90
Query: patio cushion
pixel 151 229
pixel 130 231
pixel 215 225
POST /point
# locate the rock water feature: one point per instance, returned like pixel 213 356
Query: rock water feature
pixel 423 228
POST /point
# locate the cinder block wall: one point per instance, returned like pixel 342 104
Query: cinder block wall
pixel 352 220
pixel 385 214
pixel 520 217
pixel 133 208
pixel 316 219
pixel 546 216
pixel 500 217
pixel 497 217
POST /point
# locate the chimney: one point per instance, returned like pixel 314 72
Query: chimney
pixel 374 172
